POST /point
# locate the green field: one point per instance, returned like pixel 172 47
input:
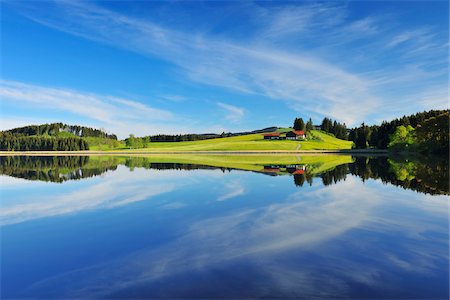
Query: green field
pixel 104 144
pixel 317 141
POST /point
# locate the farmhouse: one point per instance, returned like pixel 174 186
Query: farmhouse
pixel 272 136
pixel 295 135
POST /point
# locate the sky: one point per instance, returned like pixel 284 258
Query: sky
pixel 149 67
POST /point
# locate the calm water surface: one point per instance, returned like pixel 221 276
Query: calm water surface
pixel 132 228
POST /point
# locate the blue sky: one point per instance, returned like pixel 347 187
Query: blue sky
pixel 151 67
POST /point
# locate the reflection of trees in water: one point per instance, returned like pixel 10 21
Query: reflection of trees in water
pixel 64 168
pixel 329 177
pixel 143 162
pixel 425 175
pixel 337 174
pixel 51 168
pixel 300 179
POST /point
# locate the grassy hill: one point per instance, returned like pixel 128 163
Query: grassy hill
pixel 318 141
pixel 98 140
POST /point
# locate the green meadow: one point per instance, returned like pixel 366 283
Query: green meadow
pixel 317 140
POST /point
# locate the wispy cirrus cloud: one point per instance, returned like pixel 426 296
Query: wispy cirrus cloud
pixel 288 20
pixel 117 114
pixel 324 73
pixel 233 113
pixel 303 80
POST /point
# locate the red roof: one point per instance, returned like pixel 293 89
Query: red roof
pixel 299 132
pixel 272 134
pixel 297 172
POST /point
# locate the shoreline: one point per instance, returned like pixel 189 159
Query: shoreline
pixel 245 152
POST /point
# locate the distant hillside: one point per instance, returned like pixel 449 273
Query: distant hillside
pixel 317 140
pixel 56 129
pixel 55 137
pixel 202 136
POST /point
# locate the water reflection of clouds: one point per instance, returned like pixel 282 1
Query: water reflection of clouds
pixel 113 190
pixel 11 182
pixel 278 241
pixel 232 189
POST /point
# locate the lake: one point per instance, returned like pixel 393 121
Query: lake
pixel 224 227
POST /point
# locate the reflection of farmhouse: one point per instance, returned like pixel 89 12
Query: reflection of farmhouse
pixel 292 169
pixel 272 169
pixel 272 136
pixel 296 169
pixel 295 135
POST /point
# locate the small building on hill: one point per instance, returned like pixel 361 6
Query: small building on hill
pixel 295 135
pixel 272 136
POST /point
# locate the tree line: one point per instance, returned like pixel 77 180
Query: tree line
pixel 134 142
pixel 422 132
pixel 328 125
pixel 9 142
pixel 54 129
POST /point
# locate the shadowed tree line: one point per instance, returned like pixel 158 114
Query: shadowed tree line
pixel 50 137
pixel 54 129
pixel 9 142
pixel 421 132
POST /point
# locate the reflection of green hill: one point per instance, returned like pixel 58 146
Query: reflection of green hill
pixel 249 162
pixel 424 175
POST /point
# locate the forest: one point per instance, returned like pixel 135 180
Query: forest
pixel 421 132
pixel 54 129
pixel 426 132
pixel 10 142
pixel 50 137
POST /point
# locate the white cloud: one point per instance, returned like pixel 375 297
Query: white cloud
pixel 279 22
pixel 303 80
pixel 233 113
pixel 313 76
pixel 118 115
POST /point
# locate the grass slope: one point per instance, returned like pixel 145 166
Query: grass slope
pixel 318 141
pixel 102 144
